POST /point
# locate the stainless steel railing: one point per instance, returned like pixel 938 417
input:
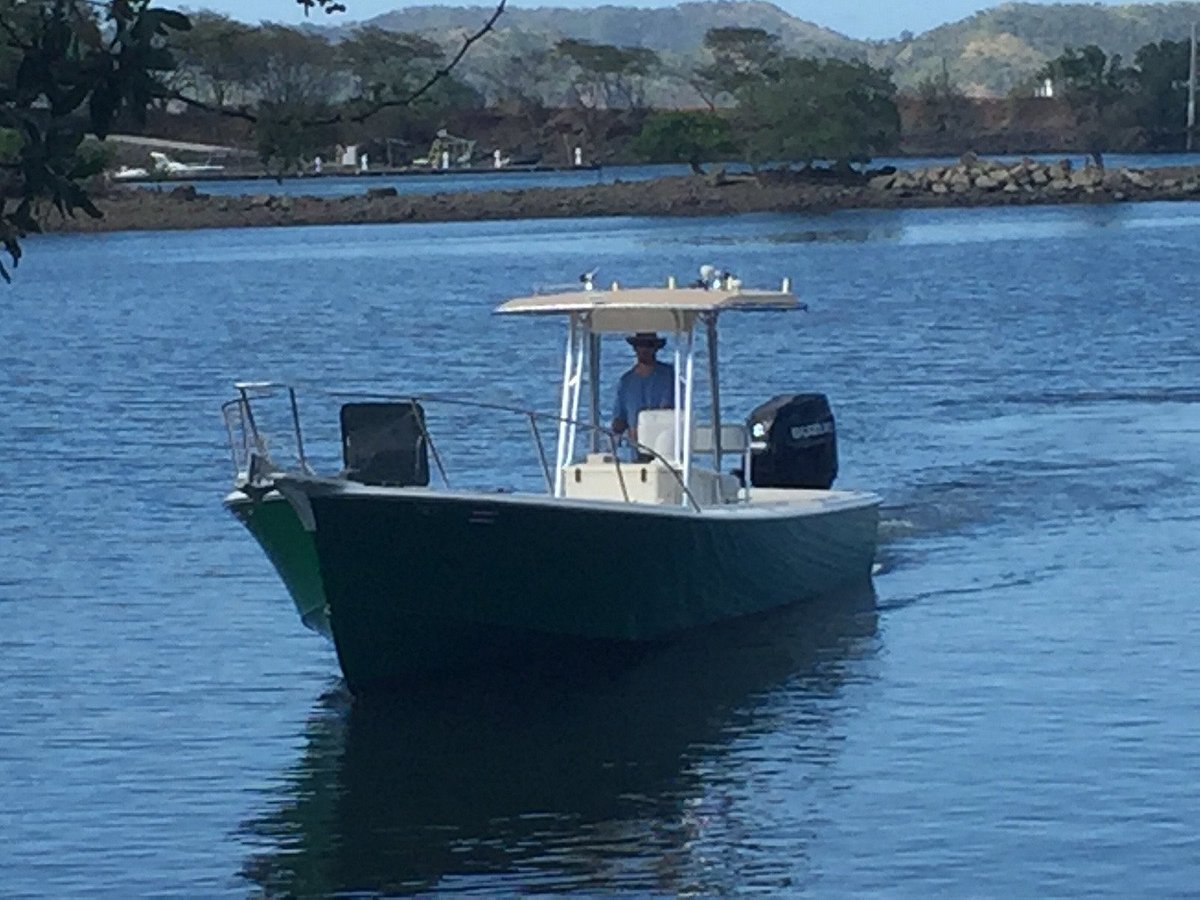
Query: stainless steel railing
pixel 254 464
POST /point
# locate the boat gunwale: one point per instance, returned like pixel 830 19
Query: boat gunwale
pixel 815 502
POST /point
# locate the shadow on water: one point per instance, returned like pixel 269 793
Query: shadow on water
pixel 590 781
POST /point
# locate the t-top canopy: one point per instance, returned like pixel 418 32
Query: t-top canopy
pixel 637 309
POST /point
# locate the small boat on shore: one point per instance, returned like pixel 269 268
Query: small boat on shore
pixel 627 546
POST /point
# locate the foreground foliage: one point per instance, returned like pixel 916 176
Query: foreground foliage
pixel 69 68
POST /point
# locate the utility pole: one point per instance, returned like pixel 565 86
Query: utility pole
pixel 1191 108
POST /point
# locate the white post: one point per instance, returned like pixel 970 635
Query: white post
pixel 584 329
pixel 564 407
pixel 579 156
pixel 445 159
pixel 687 412
pixel 496 159
pixel 677 442
pixel 714 386
pixel 597 443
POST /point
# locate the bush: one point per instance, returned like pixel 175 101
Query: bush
pixel 690 137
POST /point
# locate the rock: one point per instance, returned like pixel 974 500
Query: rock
pixel 882 182
pixel 717 177
pixel 986 183
pixel 940 187
pixel 259 201
pixel 1087 178
pixel 969 160
pixel 380 193
pixel 1039 176
pixel 184 192
pixel 1058 185
pixel 1137 179
pixel 1012 188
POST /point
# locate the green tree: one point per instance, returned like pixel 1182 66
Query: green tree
pixel 812 110
pixel 1095 87
pixel 1161 91
pixel 214 61
pixel 294 81
pixel 606 76
pixel 943 106
pixel 388 64
pixel 72 66
pixel 740 57
pixel 603 77
pixel 689 137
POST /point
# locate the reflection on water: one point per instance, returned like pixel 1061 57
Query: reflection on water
pixel 819 236
pixel 594 780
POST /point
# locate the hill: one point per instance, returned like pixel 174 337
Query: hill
pixel 676 29
pixel 996 50
pixel 987 54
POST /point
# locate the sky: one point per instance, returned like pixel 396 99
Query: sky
pixel 856 18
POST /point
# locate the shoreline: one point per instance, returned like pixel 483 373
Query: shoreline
pixel 969 183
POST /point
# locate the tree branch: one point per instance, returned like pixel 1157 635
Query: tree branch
pixel 373 107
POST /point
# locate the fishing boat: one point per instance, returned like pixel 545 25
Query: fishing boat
pixel 627 543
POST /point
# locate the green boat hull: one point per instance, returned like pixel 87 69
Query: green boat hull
pixel 419 583
pixel 290 549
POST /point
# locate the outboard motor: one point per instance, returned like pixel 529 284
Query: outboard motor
pixel 794 442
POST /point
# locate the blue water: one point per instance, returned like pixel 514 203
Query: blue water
pixel 340 186
pixel 1013 712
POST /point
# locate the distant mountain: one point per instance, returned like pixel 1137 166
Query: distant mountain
pixel 993 51
pixel 988 53
pixel 675 29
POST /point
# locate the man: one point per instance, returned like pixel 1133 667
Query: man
pixel 648 385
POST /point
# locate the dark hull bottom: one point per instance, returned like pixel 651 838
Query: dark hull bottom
pixel 420 585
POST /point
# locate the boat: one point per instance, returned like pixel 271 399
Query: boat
pixel 165 167
pixel 131 173
pixel 414 576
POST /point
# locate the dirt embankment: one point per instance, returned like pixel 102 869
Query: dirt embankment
pixel 972 182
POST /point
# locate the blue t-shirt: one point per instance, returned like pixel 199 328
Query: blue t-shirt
pixel 637 392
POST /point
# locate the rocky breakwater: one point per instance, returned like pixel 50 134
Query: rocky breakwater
pixel 975 181
pixel 970 182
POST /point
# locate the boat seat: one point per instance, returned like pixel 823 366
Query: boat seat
pixel 734 439
pixel 656 430
pixel 384 444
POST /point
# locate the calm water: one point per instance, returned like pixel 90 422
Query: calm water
pixel 1013 713
pixel 339 186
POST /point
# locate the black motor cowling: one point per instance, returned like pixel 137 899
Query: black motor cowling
pixel 794 442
